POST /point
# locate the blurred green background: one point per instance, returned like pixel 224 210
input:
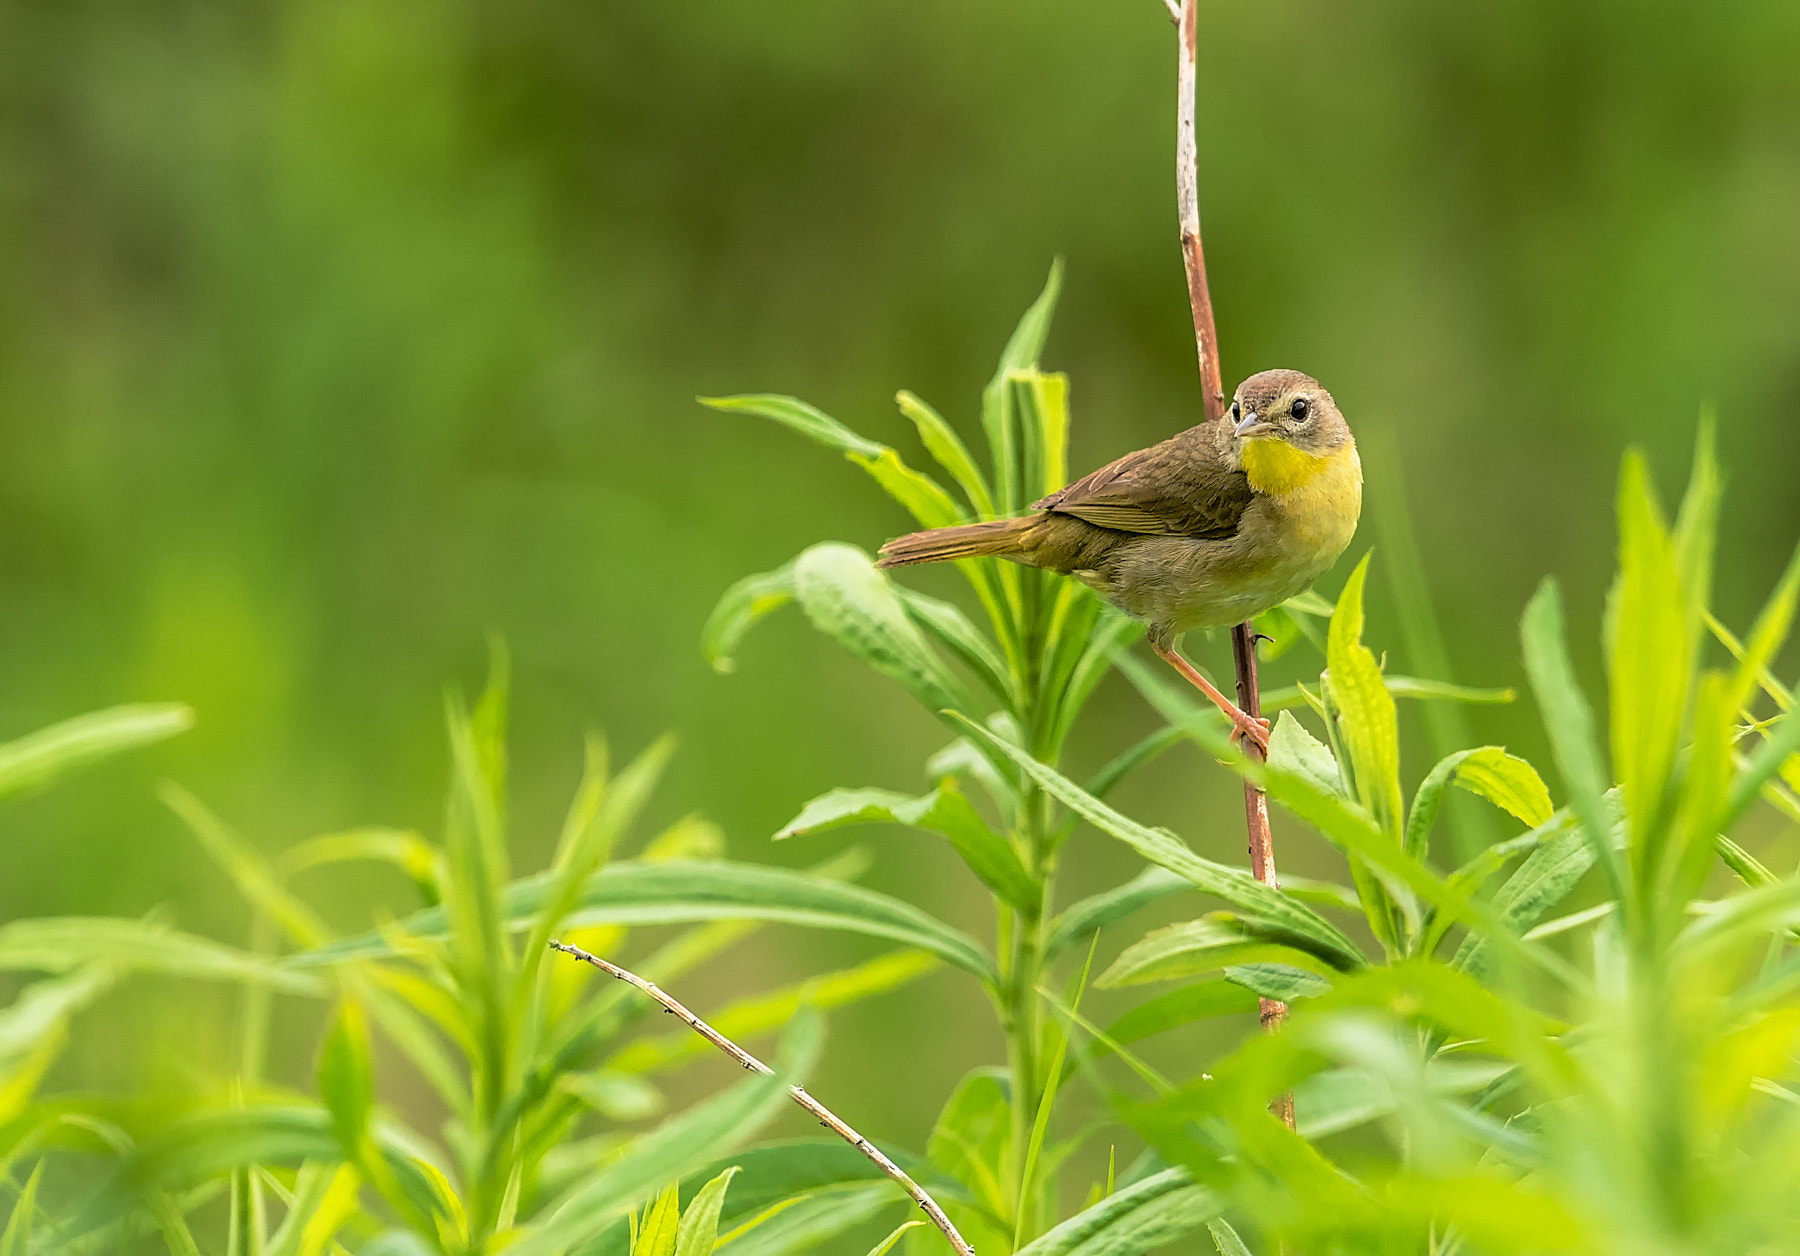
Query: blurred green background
pixel 336 335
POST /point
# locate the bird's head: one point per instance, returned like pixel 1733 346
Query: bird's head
pixel 1290 407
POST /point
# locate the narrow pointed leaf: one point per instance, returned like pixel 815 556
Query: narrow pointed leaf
pixel 738 610
pixel 944 810
pixel 34 760
pixel 922 496
pixel 943 444
pixel 1146 1215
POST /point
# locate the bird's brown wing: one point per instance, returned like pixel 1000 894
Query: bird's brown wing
pixel 1181 487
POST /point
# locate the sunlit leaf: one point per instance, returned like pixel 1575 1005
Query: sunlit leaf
pixel 1366 709
pixel 1004 438
pixel 943 444
pixel 921 495
pixel 1649 647
pixel 700 1224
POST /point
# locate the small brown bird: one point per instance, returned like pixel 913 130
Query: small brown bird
pixel 1211 527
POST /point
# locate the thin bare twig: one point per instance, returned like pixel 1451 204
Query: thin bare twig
pixel 1206 343
pixel 1174 8
pixel 825 1116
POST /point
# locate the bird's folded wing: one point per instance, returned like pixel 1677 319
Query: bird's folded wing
pixel 1178 488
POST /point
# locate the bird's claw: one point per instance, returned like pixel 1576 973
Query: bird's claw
pixel 1246 727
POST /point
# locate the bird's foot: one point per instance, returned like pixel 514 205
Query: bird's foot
pixel 1246 727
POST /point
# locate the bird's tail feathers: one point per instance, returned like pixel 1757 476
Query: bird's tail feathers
pixel 1002 537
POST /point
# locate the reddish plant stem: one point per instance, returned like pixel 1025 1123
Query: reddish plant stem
pixel 1206 343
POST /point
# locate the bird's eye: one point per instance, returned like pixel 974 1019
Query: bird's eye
pixel 1234 412
pixel 1300 409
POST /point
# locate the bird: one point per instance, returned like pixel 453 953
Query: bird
pixel 1208 528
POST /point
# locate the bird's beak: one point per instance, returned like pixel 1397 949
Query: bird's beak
pixel 1250 425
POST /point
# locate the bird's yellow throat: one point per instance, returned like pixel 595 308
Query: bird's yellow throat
pixel 1276 468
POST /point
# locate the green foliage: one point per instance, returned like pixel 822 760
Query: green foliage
pixel 546 1079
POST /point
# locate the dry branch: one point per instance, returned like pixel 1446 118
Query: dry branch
pixel 825 1116
pixel 1206 343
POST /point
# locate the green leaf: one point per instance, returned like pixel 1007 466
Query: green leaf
pixel 209 1143
pixel 1346 826
pixel 759 1013
pixel 1569 721
pixel 1282 982
pixel 1158 1210
pixel 16 1240
pixel 682 892
pixel 1192 948
pixel 1079 919
pixel 656 1234
pixel 887 1245
pixel 1547 876
pixel 1195 1001
pixel 346 1078
pixel 700 1227
pixel 1226 1239
pixel 1508 782
pixel 59 944
pixel 1041 403
pixel 943 444
pixel 1293 749
pixel 804 1224
pixel 944 810
pixel 919 493
pixel 1028 1177
pixel 34 760
pixel 972 1139
pixel 1761 767
pixel 673 1149
pixel 1650 651
pixel 950 628
pixel 602 812
pixel 248 870
pixel 1365 709
pixel 1161 847
pixel 402 848
pixel 1767 635
pixel 738 610
pixel 997 417
pixel 853 602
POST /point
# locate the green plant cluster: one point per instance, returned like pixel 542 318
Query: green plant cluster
pixel 1477 1066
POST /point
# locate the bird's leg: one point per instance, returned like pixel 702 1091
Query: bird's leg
pixel 1242 724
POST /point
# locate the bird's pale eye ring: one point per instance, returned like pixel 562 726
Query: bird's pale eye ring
pixel 1301 408
pixel 1234 412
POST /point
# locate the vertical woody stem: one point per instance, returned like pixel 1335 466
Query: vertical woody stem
pixel 1206 342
